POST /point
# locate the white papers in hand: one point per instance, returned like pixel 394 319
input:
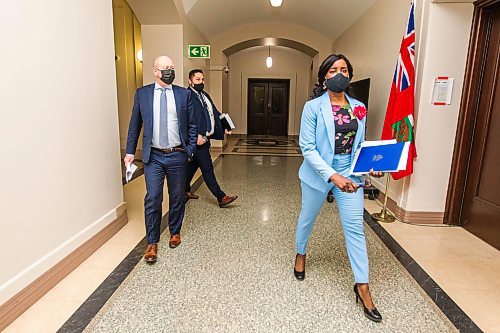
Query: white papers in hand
pixel 131 167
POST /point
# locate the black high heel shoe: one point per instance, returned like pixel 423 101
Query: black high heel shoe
pixel 299 275
pixel 371 314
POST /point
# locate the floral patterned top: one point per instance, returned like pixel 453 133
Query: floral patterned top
pixel 346 126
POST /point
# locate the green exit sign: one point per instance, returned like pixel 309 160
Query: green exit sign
pixel 199 51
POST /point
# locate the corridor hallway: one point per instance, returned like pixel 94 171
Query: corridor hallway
pixel 233 270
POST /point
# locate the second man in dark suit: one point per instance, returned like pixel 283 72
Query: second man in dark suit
pixel 209 127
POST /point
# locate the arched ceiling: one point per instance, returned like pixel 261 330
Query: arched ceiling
pixel 152 12
pixel 328 17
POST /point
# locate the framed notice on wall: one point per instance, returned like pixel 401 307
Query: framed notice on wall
pixel 443 87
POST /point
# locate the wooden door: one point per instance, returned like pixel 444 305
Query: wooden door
pixel 268 107
pixel 481 212
pixel 476 204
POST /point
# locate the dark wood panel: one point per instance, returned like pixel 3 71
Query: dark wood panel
pixel 473 200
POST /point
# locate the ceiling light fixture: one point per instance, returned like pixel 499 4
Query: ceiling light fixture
pixel 269 60
pixel 276 3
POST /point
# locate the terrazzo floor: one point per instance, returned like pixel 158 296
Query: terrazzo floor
pixel 233 270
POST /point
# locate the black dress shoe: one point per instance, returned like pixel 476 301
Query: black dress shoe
pixel 299 275
pixel 371 314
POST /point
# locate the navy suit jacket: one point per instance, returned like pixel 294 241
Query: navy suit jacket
pixel 142 113
pixel 203 118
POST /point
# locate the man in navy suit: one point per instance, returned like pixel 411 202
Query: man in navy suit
pixel 168 143
pixel 209 127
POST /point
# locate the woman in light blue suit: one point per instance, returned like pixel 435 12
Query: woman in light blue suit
pixel 332 128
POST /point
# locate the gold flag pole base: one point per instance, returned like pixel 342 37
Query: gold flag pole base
pixel 384 216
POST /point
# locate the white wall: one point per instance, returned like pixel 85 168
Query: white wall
pixel 372 44
pixel 160 40
pixel 445 55
pixel 251 63
pixel 192 36
pixel 61 178
pixel 173 40
pixel 306 36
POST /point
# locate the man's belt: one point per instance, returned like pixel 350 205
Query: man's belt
pixel 168 150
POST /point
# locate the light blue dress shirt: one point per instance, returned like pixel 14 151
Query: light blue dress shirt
pixel 174 138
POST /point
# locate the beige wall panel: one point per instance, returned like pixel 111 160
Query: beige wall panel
pixel 137 47
pixel 294 32
pixel 372 44
pixel 125 50
pixel 162 40
pixel 446 54
pixel 251 63
pixel 61 180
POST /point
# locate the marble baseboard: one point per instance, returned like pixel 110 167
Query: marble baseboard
pixel 411 216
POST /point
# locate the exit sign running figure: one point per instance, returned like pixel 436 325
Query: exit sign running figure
pixel 199 51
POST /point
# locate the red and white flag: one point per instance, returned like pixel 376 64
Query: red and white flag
pixel 399 122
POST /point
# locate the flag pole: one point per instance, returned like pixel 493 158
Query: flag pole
pixel 384 215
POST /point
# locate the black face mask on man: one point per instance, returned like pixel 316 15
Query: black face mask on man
pixel 199 87
pixel 167 75
pixel 337 83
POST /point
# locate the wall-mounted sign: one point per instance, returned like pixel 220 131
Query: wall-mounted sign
pixel 443 87
pixel 199 51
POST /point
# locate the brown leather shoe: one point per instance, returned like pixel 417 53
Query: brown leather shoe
pixel 226 200
pixel 175 240
pixel 190 195
pixel 150 254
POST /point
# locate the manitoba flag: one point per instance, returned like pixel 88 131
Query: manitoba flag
pixel 398 122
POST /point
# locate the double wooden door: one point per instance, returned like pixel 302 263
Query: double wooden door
pixel 475 184
pixel 268 107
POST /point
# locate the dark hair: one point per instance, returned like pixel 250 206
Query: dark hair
pixel 320 88
pixel 194 71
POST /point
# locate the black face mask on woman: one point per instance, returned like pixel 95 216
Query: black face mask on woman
pixel 337 83
pixel 167 75
pixel 199 87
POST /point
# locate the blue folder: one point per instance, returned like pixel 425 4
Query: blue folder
pixel 384 158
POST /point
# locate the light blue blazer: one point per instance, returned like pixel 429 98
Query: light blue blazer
pixel 317 141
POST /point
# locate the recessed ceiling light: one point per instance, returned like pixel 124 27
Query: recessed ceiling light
pixel 276 3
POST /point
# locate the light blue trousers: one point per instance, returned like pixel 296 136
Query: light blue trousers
pixel 350 207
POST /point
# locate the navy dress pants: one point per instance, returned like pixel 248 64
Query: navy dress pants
pixel 172 166
pixel 203 160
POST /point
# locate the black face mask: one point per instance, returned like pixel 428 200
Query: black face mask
pixel 338 83
pixel 167 75
pixel 199 87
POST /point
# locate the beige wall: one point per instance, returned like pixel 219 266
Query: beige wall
pixel 448 24
pixel 128 67
pixel 162 40
pixel 61 179
pixel 138 46
pixel 234 36
pixel 372 44
pixel 287 64
pixel 173 39
pixel 192 36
